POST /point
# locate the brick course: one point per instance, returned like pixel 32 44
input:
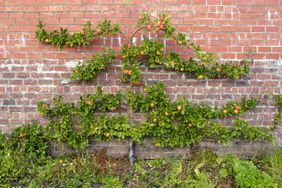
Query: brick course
pixel 31 71
pixel 147 150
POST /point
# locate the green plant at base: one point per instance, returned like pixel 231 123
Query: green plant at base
pixel 279 100
pixel 272 164
pixel 200 170
pixel 248 175
pixel 110 181
pixel 30 139
pixel 277 118
pixel 76 171
pixel 21 152
pixel 20 167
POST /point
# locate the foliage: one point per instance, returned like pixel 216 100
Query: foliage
pixel 28 164
pixel 25 162
pixel 248 175
pixel 21 152
pixel 205 66
pixel 130 70
pixel 173 172
pixel 76 171
pixel 272 164
pixel 151 52
pixel 30 139
pixel 156 98
pixel 216 70
pixel 62 37
pixel 202 169
pixel 169 123
pixel 180 124
pixel 88 71
pixel 279 101
pixel 278 116
pixel 24 158
pixel 74 124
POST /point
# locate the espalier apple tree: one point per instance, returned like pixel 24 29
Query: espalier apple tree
pixel 168 123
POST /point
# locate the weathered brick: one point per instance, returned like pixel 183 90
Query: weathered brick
pixel 8 102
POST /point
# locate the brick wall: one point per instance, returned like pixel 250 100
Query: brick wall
pixel 147 150
pixel 31 71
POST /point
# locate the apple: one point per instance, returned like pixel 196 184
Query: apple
pixel 180 42
pixel 237 107
pixel 157 144
pixel 179 107
pixel 112 108
pixel 89 102
pixel 107 134
pixel 159 53
pixel 149 27
pixel 200 77
pixel 138 83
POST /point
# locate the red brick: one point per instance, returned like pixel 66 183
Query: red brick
pixel 56 8
pixel 198 2
pixel 65 21
pixel 243 2
pixel 272 29
pixel 258 29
